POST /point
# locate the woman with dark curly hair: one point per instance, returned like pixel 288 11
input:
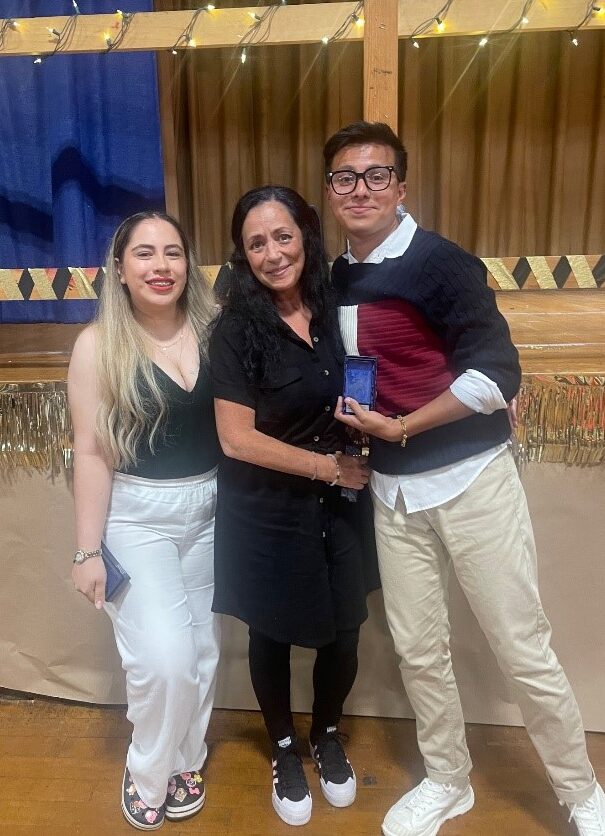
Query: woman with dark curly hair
pixel 288 551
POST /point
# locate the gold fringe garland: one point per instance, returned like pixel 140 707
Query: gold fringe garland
pixel 562 419
pixel 35 428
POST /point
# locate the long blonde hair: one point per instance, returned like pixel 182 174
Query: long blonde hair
pixel 132 405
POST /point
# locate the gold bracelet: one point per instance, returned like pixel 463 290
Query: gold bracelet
pixel 404 430
pixel 314 466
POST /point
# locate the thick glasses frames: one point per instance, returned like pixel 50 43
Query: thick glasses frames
pixel 377 179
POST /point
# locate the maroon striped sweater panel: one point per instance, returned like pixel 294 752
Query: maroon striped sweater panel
pixel 413 368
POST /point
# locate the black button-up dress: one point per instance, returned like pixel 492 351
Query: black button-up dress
pixel 293 559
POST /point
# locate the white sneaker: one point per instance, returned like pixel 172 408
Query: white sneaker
pixel 422 811
pixel 589 816
pixel 291 797
pixel 336 777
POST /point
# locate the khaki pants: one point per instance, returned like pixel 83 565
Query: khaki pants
pixel 486 534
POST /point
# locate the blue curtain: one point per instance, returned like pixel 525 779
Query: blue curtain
pixel 80 151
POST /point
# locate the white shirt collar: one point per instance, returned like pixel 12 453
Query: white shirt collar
pixel 393 245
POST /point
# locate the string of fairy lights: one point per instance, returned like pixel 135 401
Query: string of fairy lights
pixel 592 9
pixel 436 24
pixel 62 38
pixel 258 32
pixel 260 28
pixel 186 39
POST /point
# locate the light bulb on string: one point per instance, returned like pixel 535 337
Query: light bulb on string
pixel 415 44
pixel 244 55
pixel 484 41
pixel 325 40
pixel 524 20
pixel 440 24
pixel 210 7
pixel 54 32
pixel 12 24
pixel 254 16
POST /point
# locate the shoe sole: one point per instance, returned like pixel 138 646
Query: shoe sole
pixel 459 810
pixel 137 824
pixel 185 812
pixel 288 816
pixel 336 799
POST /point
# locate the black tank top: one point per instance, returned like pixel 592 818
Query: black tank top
pixel 186 444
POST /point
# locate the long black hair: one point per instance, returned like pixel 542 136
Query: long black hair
pixel 251 304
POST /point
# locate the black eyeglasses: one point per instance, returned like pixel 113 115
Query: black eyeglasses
pixel 377 179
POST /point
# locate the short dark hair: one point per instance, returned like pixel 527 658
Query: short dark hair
pixel 361 133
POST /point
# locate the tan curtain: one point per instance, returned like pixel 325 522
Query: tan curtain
pixel 506 144
pixel 237 126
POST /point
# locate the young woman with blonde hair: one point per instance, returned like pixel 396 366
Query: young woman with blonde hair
pixel 145 456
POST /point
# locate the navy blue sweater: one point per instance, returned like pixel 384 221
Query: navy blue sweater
pixel 441 293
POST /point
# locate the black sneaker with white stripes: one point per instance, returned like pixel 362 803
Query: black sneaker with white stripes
pixel 291 796
pixel 336 777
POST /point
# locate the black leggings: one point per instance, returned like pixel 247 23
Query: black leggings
pixel 334 673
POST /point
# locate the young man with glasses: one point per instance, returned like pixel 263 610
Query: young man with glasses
pixel 445 488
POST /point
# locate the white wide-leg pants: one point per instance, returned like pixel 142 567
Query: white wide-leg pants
pixel 162 532
pixel 486 535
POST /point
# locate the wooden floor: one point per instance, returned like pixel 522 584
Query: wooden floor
pixel 61 767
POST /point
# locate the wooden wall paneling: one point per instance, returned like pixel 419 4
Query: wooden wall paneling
pixel 556 332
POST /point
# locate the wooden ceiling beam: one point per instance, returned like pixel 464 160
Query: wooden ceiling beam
pixel 286 25
pixel 161 30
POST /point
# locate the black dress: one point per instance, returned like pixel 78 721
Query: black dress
pixel 293 559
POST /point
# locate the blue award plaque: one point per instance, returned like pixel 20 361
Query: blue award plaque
pixel 360 381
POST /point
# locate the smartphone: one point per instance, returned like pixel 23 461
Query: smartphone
pixel 360 381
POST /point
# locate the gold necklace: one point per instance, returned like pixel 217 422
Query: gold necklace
pixel 170 345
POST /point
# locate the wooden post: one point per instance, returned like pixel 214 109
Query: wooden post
pixel 167 125
pixel 380 57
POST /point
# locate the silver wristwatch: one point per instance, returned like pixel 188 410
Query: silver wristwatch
pixel 80 556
